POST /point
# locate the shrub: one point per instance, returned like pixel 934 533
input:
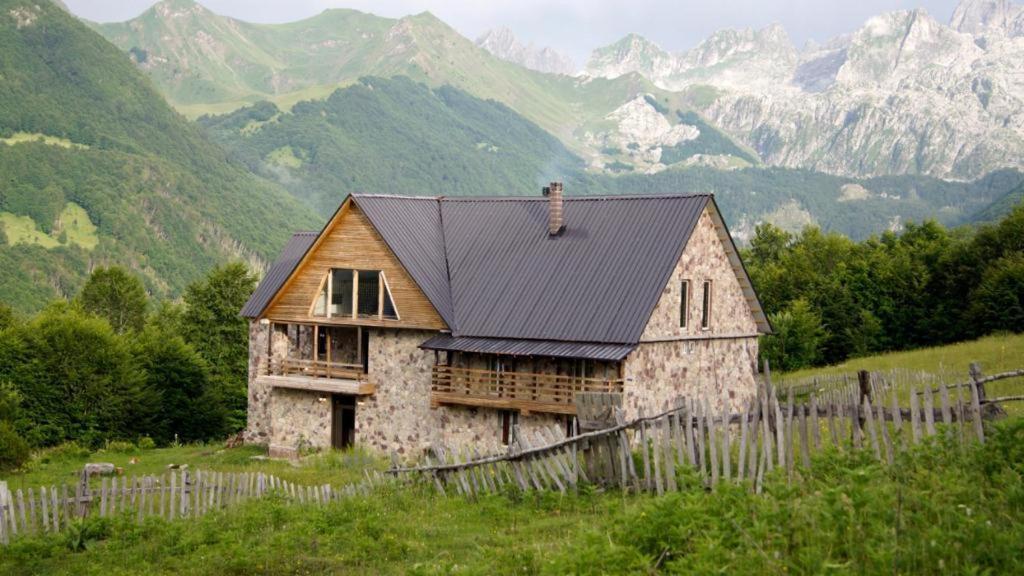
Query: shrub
pixel 121 447
pixel 14 451
pixel 146 443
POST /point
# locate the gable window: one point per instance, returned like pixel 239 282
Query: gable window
pixel 347 293
pixel 684 303
pixel 705 314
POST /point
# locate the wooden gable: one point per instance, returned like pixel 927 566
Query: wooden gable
pixel 350 241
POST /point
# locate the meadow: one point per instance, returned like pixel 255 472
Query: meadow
pixel 941 509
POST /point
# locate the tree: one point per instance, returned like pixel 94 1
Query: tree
pixel 7 318
pixel 77 379
pixel 796 338
pixel 998 302
pixel 117 296
pixel 14 451
pixel 189 408
pixel 212 324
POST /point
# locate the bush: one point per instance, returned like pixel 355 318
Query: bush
pixel 146 443
pixel 14 451
pixel 121 447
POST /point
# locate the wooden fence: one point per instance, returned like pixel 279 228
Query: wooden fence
pixel 642 455
pixel 175 494
pixel 646 454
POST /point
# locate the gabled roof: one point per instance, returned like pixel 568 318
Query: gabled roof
pixel 278 272
pixel 492 271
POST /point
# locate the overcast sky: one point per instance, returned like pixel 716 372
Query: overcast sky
pixel 573 26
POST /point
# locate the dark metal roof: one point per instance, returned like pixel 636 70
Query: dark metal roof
pixel 598 281
pixel 279 271
pixel 412 228
pixel 514 347
pixel 492 271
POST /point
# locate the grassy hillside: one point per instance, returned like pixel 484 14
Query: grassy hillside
pixel 207 63
pixel 399 136
pixel 941 509
pixel 394 136
pixel 99 169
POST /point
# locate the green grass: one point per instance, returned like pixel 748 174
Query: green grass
pixel 942 509
pixel 75 228
pixel 23 137
pixel 64 464
pixel 949 364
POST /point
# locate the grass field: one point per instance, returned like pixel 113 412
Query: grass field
pixel 75 228
pixel 64 464
pixel 942 364
pixel 940 510
pixel 23 137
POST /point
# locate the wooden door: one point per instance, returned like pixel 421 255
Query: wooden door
pixel 343 421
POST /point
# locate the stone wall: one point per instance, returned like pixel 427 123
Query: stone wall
pixel 704 258
pixel 301 421
pixel 657 373
pixel 257 429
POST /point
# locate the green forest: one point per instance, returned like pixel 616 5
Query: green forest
pixel 80 126
pixel 113 365
pixel 397 136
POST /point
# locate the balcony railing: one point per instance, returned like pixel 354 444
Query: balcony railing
pixel 513 390
pixel 314 369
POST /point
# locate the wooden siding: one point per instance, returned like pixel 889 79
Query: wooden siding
pixel 350 241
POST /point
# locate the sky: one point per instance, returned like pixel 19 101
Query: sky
pixel 574 27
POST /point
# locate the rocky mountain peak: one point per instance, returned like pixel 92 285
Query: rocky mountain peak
pixel 502 43
pixel 981 17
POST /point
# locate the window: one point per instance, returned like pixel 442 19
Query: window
pixel 705 314
pixel 509 419
pixel 354 294
pixel 341 292
pixel 684 303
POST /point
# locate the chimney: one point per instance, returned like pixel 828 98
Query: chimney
pixel 556 223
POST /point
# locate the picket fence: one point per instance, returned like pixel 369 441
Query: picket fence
pixel 774 431
pixel 174 494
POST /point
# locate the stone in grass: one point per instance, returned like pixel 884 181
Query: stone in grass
pixel 99 469
pixel 259 457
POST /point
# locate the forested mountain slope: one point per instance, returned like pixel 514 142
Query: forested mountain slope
pixel 98 169
pixel 401 137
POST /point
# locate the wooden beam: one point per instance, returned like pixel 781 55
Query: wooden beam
pixel 328 385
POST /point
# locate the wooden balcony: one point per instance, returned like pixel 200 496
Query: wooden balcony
pixel 316 375
pixel 523 391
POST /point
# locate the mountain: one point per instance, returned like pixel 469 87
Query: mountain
pixel 502 43
pixel 99 170
pixel 402 137
pixel 207 63
pixel 904 94
pixel 983 17
pixel 393 136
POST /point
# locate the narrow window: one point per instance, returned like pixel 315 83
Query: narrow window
pixel 369 293
pixel 705 315
pixel 341 292
pixel 509 418
pixel 684 303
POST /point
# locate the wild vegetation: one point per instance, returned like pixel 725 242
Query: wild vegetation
pixel 830 298
pixel 98 169
pixel 943 508
pixel 112 366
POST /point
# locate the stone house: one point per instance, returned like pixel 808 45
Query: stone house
pixel 409 322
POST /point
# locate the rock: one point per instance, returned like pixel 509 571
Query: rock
pixel 99 469
pixel 258 457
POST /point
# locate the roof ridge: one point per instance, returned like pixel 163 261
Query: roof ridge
pixel 567 198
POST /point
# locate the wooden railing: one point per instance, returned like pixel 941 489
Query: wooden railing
pixel 314 369
pixel 513 390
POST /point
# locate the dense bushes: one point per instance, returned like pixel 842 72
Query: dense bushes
pixel 72 377
pixel 830 298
